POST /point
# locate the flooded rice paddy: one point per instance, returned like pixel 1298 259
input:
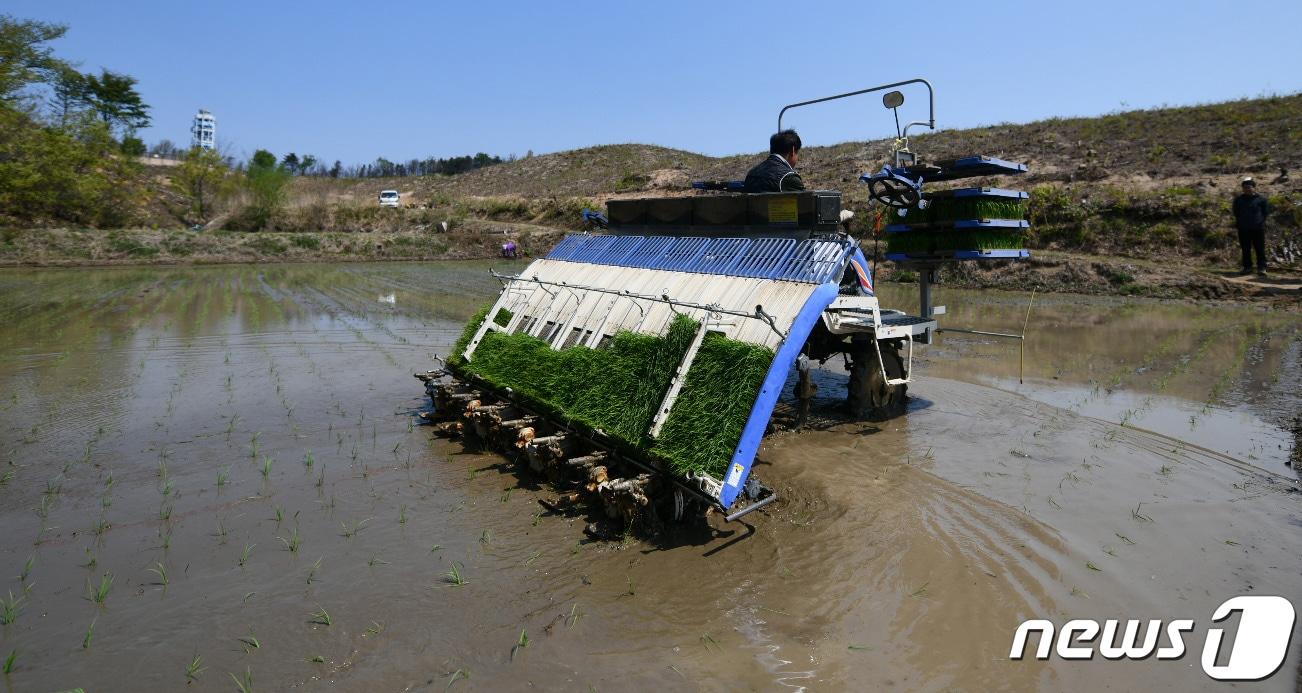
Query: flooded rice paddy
pixel 211 478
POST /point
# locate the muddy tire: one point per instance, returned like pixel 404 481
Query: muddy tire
pixel 868 395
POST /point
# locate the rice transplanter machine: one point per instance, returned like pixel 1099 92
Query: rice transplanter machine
pixel 639 363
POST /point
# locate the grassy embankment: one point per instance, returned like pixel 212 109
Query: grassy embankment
pixel 1134 203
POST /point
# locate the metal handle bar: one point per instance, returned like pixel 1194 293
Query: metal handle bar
pixel 931 99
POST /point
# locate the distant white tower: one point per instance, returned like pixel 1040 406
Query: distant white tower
pixel 203 132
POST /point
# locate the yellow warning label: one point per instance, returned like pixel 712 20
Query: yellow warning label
pixel 782 210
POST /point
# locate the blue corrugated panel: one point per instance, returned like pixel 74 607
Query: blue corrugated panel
pixel 593 249
pixel 764 258
pixel 619 252
pixel 651 253
pixel 719 256
pixel 813 261
pixel 683 254
pixel 568 247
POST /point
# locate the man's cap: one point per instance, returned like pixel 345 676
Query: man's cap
pixel 1248 181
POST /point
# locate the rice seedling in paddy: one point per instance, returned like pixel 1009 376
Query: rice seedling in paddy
pixel 402 514
pixel 293 542
pixel 244 555
pixel 453 576
pixel 99 593
pixel 308 460
pixel 278 514
pixel 376 560
pixel 351 530
pixel 90 634
pixel 321 616
pixel 267 463
pixel 223 477
pixel 10 608
pixel 255 445
pixel 456 676
pixel 249 642
pixel 27 568
pixel 244 682
pixel 160 571
pixel 194 669
pixel 8 667
pixel 313 569
pixel 374 629
pixel 520 643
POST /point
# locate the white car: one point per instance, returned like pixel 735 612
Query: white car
pixel 389 198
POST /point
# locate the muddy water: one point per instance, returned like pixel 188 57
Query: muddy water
pixel 246 431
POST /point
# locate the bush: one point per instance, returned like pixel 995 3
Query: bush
pixel 267 245
pixel 305 241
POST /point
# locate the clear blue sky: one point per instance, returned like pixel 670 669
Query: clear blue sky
pixel 353 81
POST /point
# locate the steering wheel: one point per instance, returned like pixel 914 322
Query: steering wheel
pixel 893 190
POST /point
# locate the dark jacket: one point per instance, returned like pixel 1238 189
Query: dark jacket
pixel 1250 212
pixel 773 174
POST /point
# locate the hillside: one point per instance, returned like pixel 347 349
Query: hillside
pixel 1131 193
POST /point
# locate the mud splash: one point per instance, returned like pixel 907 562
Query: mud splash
pixel 248 433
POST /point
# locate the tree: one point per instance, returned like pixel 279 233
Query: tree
pixel 262 159
pixel 24 59
pixel 290 162
pixel 204 179
pixel 306 163
pixel 116 101
pixel 266 183
pixel 70 93
pixel 164 149
pixel 133 146
pixel 336 169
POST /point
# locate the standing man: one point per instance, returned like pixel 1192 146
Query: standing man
pixel 778 172
pixel 1250 212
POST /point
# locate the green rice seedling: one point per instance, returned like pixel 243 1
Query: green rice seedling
pixel 457 675
pixel 278 514
pixel 90 634
pixel 167 488
pixel 453 576
pixel 100 527
pixel 350 531
pixel 308 460
pixel 194 669
pixel 506 494
pixel 27 568
pixel 9 662
pixel 6 477
pixel 165 511
pixel 162 469
pixel 520 643
pixel 708 641
pixel 10 609
pixel 223 476
pixel 1125 538
pixel 100 593
pixel 376 560
pixel 244 555
pixel 105 501
pixel 255 445
pixel 316 659
pixel 293 542
pixel 532 557
pixel 321 616
pixel 1091 566
pixel 312 570
pixel 267 462
pixel 630 591
pixel 375 628
pixel 250 642
pixel 402 514
pixel 573 618
pixel 1138 516
pixel 435 547
pixel 161 571
pixel 244 682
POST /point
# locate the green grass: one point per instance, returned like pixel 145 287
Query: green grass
pixel 950 209
pixel 616 389
pixel 974 239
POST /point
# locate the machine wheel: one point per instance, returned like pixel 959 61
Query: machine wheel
pixel 868 395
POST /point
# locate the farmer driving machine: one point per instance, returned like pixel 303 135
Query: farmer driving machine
pixel 638 365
